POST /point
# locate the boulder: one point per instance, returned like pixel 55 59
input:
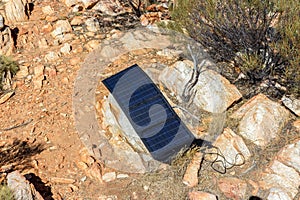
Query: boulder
pixel 15 11
pixel 232 147
pixel 281 176
pixel 213 92
pixel 21 188
pixel 261 120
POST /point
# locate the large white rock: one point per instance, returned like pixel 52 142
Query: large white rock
pixel 278 194
pixel 15 11
pixel 290 155
pixel 232 147
pixel 261 120
pixel 61 27
pixel 214 93
pixel 280 176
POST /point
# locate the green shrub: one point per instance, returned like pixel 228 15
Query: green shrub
pixel 6 193
pixel 260 37
pixel 7 66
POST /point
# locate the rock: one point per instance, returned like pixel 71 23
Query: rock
pixel 6 42
pixel 261 120
pixel 296 124
pixel 92 45
pixel 214 93
pixel 70 3
pixel 120 176
pixel 82 165
pixel 278 194
pixel 47 10
pixel 280 176
pixel 77 20
pixel 51 56
pixel 89 3
pixel 232 147
pixel 61 27
pixel 38 76
pixel 290 156
pixel 233 188
pixel 86 157
pixel 1 22
pixel 6 96
pixel 92 25
pixel 66 48
pixel 292 103
pixel 110 176
pixel 75 61
pixel 198 195
pixel 190 177
pixel 21 188
pixel 15 11
pixel 62 180
pixel 112 7
pixel 95 172
pixel 43 43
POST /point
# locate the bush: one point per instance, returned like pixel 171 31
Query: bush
pixel 8 68
pixel 6 193
pixel 260 37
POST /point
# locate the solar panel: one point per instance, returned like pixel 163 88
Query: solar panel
pixel 159 127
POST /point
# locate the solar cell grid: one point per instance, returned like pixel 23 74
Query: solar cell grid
pixel 149 113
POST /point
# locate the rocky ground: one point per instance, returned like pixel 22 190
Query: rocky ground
pixel 37 129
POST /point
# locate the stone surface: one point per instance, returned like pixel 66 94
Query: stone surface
pixel 6 42
pixel 48 10
pixel 292 103
pixel 278 194
pixel 6 96
pixel 214 93
pixel 90 3
pixel 61 27
pixel 21 188
pixel 62 180
pixel 38 76
pixel 109 7
pixel 232 147
pixel 92 24
pixel 1 22
pixel 66 48
pixel 190 177
pixel 15 11
pixel 280 176
pixel 95 172
pixel 261 120
pixel 233 188
pixel 296 124
pixel 290 155
pixel 110 176
pixel 198 195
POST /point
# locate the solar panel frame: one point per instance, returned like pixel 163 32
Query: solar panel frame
pixel 157 124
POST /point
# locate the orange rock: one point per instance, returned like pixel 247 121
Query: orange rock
pixel 198 195
pixel 191 175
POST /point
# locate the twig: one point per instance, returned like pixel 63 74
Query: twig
pixel 17 126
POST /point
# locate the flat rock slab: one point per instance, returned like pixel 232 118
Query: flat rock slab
pixel 261 120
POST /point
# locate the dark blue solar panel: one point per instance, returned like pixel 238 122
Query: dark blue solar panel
pixel 154 120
